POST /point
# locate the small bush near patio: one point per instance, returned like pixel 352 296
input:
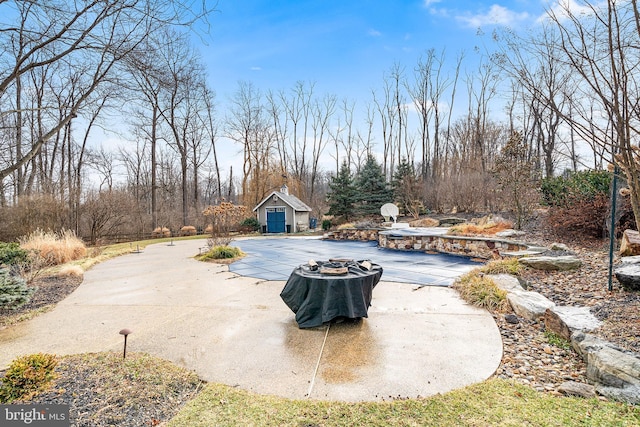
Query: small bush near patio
pixel 26 376
pixel 221 253
pixel 503 266
pixel 54 248
pixel 479 290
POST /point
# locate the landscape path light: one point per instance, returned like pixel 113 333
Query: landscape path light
pixel 125 332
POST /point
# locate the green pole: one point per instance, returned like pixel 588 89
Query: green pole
pixel 612 229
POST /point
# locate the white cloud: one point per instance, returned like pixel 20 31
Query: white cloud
pixel 563 8
pixel 428 3
pixel 496 15
pixel 256 68
pixel 374 33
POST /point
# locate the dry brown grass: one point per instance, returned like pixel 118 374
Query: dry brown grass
pixel 161 232
pixel 188 230
pixel 54 248
pixel 71 271
pixel 489 229
pixel 479 290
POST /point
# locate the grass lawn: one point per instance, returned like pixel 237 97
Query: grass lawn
pixel 491 403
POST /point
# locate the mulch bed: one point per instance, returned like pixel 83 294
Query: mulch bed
pixel 49 290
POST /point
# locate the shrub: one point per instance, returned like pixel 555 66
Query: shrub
pixel 488 229
pixel 503 266
pixel 582 216
pixel 250 224
pixel 13 290
pixel 54 248
pixel 345 226
pixel 221 252
pixel 188 230
pixel 26 376
pixel 584 185
pixel 479 290
pixel 12 254
pixel 160 232
pixel 326 224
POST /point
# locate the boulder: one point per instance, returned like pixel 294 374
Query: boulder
pixel 628 394
pixel 451 221
pixel 630 244
pixel 607 364
pixel 530 305
pixel 564 320
pixel 628 274
pixel 510 233
pixel 425 222
pixel 506 282
pixel 630 259
pixel 572 388
pixel 552 263
pixel 559 247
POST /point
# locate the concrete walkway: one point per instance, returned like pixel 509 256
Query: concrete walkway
pixel 236 330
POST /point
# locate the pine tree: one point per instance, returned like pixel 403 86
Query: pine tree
pixel 342 193
pixel 13 290
pixel 407 188
pixel 372 190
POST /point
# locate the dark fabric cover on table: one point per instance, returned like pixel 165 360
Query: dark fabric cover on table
pixel 317 298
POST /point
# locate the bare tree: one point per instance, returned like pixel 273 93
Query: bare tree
pixel 597 42
pixel 94 35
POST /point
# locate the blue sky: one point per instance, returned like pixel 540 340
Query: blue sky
pixel 344 46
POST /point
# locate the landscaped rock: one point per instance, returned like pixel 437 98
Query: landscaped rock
pixel 425 222
pixel 607 364
pixel 506 282
pixel 628 274
pixel 448 222
pixel 564 320
pixel 558 247
pixel 630 244
pixel 530 305
pixel 573 388
pixel 510 233
pixel 552 263
pixel 629 394
pixel 511 318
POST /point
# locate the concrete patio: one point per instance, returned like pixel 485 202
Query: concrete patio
pixel 232 329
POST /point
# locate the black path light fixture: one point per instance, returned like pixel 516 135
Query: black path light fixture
pixel 125 332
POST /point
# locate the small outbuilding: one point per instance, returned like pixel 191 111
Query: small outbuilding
pixel 281 212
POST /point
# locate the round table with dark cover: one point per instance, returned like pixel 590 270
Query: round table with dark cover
pixel 317 298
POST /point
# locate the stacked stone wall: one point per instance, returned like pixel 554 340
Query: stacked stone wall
pixel 478 247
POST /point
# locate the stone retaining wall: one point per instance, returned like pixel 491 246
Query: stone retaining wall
pixel 365 235
pixel 478 247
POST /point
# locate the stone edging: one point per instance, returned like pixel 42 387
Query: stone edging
pixel 614 372
pixel 425 239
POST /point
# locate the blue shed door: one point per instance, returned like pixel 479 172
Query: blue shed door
pixel 275 220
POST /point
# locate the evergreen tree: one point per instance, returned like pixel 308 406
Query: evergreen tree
pixel 342 193
pixel 407 188
pixel 13 290
pixel 372 190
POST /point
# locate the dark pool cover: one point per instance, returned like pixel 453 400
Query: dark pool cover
pixel 317 298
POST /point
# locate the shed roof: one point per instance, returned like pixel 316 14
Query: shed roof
pixel 295 203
